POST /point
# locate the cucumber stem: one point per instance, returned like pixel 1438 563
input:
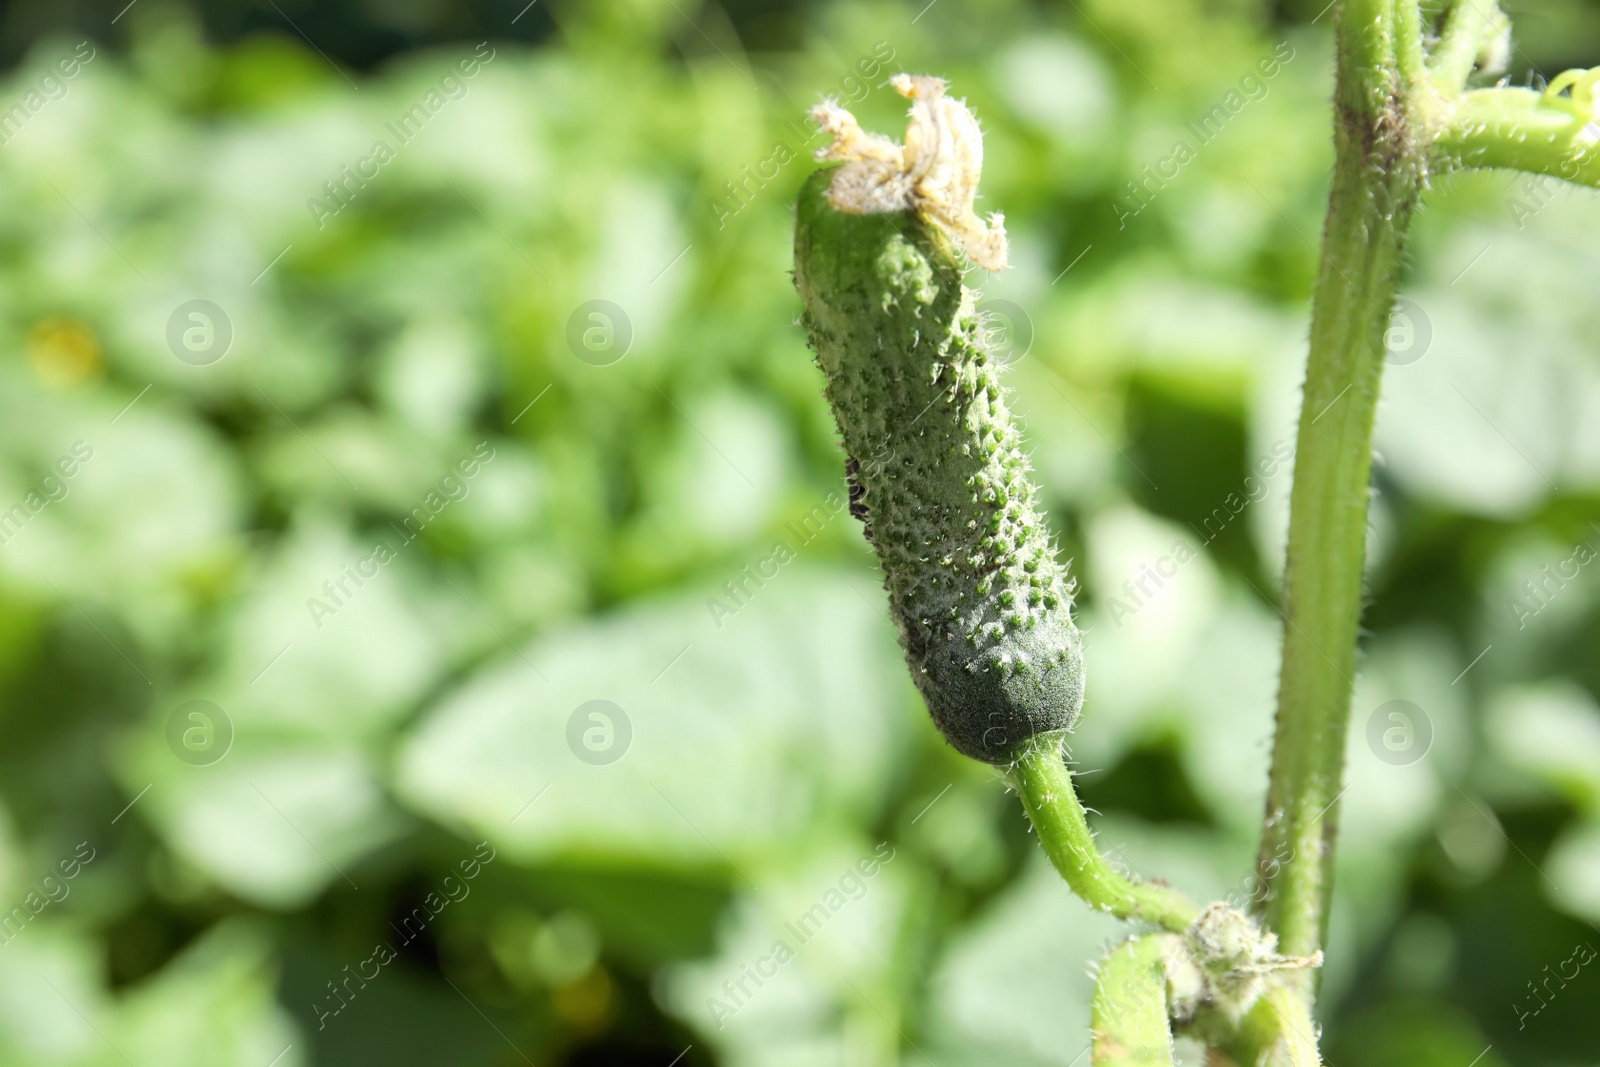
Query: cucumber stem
pixel 1042 779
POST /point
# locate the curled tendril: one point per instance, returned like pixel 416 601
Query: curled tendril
pixel 1580 100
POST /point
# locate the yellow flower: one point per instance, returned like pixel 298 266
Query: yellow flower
pixel 63 351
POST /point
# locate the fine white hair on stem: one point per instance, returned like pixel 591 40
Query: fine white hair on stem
pixel 935 173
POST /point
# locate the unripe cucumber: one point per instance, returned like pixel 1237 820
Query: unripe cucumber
pixel 938 477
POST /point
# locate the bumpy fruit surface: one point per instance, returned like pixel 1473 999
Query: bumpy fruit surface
pixel 938 477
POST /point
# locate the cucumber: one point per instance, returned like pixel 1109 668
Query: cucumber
pixel 938 476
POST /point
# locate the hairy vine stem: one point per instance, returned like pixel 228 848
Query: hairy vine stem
pixel 1379 172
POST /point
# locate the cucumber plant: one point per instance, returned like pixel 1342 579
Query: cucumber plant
pixel 981 603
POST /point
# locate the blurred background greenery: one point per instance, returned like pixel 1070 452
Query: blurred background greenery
pixel 400 832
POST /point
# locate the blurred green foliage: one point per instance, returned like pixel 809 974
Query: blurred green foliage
pixel 234 907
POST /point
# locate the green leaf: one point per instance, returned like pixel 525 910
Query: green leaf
pixel 1015 981
pixel 735 741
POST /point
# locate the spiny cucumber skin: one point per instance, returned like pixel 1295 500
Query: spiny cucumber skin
pixel 939 477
